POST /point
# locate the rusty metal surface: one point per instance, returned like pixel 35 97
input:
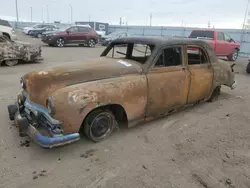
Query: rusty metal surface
pixel 143 92
pixel 41 83
pixel 17 50
pixel 78 100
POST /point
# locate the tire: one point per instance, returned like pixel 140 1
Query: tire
pixel 234 55
pixel 215 94
pixel 11 63
pixel 91 43
pixel 99 125
pixel 248 68
pixel 39 35
pixel 6 35
pixel 60 42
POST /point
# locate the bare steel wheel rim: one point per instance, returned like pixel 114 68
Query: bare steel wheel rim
pixel 11 62
pixel 39 35
pixel 91 43
pixel 60 42
pixel 101 127
pixel 235 55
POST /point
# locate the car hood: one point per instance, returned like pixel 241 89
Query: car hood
pixel 42 83
pixel 26 44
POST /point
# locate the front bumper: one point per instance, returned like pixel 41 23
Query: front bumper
pixel 34 121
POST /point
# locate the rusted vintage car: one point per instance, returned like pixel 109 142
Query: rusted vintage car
pixel 136 79
pixel 13 51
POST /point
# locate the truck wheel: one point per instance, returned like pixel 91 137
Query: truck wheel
pixel 234 55
pixel 248 68
pixel 99 125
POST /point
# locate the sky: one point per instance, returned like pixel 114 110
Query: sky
pixel 189 13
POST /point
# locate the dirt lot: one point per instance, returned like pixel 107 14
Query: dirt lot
pixel 206 146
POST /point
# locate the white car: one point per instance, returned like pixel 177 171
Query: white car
pixel 26 30
pixel 8 31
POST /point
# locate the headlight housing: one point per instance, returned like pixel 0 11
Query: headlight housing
pixel 50 106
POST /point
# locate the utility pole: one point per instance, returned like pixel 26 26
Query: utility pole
pixel 208 24
pixel 31 14
pixel 42 16
pixel 71 13
pixel 17 19
pixel 120 20
pixel 244 21
pixel 89 18
pixel 150 19
pixel 47 13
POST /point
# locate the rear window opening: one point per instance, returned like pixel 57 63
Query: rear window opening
pixel 196 56
pixel 132 51
pixel 209 35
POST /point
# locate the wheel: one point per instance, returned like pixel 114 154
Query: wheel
pixel 99 125
pixel 215 94
pixel 248 68
pixel 28 33
pixel 60 42
pixel 39 35
pixel 234 55
pixel 11 63
pixel 6 35
pixel 91 43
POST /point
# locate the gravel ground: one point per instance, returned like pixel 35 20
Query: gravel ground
pixel 206 146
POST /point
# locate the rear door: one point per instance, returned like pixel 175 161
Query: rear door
pixel 168 82
pixel 201 72
pixel 222 45
pixel 83 34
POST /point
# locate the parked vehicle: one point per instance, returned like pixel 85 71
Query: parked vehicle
pixel 221 42
pixel 248 67
pixel 77 34
pixel 13 51
pixel 149 78
pixel 38 31
pixel 105 40
pixel 27 30
pixel 7 30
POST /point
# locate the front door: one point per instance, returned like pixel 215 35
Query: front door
pixel 201 71
pixel 168 82
pixel 72 35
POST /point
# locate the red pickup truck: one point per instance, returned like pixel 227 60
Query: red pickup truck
pixel 221 42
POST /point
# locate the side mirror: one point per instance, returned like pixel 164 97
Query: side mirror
pixel 68 31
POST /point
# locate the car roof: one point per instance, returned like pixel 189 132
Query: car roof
pixel 159 40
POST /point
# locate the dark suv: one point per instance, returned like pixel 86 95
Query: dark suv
pixel 73 35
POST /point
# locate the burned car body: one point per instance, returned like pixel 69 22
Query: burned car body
pixel 148 78
pixel 13 51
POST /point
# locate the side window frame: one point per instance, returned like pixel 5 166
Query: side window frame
pixel 202 48
pixel 223 36
pixel 161 51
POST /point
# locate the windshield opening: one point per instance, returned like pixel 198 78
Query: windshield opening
pixel 131 51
